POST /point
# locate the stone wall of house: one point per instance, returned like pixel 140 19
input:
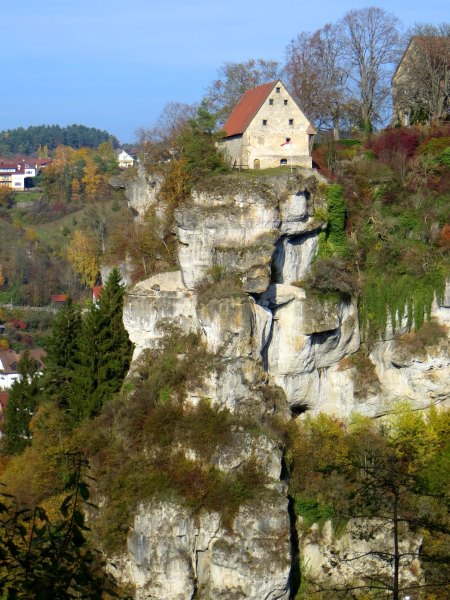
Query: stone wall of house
pixel 264 141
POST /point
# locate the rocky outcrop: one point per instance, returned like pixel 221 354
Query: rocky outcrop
pixel 279 349
pixel 175 554
pixel 141 191
pixel 155 303
pixel 309 333
pixel 236 225
pixel 333 561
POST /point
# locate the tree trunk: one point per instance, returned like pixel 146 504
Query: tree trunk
pixel 395 588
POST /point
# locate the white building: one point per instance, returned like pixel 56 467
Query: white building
pixel 124 159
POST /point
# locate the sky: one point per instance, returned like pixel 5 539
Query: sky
pixel 114 64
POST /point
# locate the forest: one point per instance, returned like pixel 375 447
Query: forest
pixel 42 139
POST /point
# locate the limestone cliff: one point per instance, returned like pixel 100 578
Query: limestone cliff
pixel 280 350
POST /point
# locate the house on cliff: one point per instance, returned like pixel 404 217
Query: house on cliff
pixel 267 129
pixel 421 82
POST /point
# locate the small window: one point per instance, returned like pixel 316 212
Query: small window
pixel 291 121
pixel 277 89
pixel 271 101
pixel 283 161
pixel 264 122
pixel 285 102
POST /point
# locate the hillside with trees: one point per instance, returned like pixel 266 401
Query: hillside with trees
pixel 42 139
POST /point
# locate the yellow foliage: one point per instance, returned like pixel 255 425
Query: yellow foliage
pixel 75 187
pixel 92 179
pixel 83 253
pixel 62 157
pixel 31 235
pixel 41 470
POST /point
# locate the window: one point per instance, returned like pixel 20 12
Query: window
pixel 283 161
pixel 277 89
pixel 285 102
pixel 264 122
pixel 271 101
pixel 291 121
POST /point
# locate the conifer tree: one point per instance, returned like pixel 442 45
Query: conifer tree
pixel 61 349
pixel 22 403
pixel 104 352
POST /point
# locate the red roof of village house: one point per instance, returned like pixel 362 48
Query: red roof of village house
pixel 58 298
pixel 246 108
pixel 18 323
pixel 7 165
pixel 96 291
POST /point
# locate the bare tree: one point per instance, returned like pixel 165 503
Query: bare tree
pixel 303 77
pixel 370 40
pixel 421 84
pixel 169 124
pixel 235 79
pixel 158 142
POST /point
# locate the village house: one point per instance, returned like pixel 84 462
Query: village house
pixel 421 82
pixel 9 360
pixel 124 159
pixel 267 129
pixel 16 175
pixel 58 300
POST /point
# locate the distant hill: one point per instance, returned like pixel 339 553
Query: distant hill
pixel 27 141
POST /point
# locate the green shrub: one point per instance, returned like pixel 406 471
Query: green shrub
pixel 312 511
pixel 434 146
pixel 396 296
pixel 444 157
pixel 333 240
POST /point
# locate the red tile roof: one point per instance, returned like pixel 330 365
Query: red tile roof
pixel 18 323
pixel 246 108
pixel 58 298
pixel 97 291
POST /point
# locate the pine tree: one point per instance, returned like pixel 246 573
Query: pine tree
pixel 104 352
pixel 114 344
pixel 22 403
pixel 61 349
pixel 82 401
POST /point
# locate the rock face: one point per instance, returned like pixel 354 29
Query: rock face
pixel 334 561
pixel 236 228
pixel 172 554
pixel 279 350
pixel 153 303
pixel 308 335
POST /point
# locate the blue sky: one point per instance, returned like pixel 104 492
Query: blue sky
pixel 114 64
